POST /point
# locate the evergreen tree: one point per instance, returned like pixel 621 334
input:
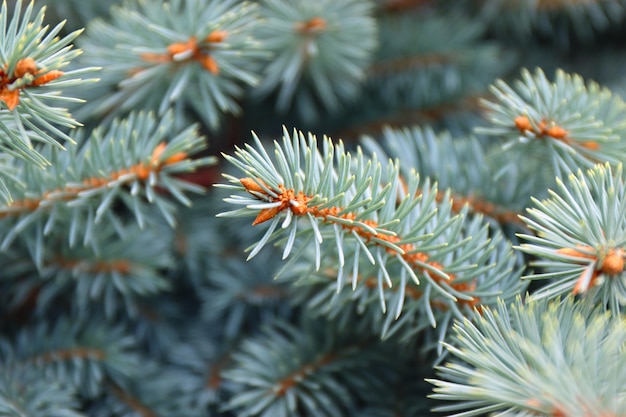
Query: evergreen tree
pixel 428 217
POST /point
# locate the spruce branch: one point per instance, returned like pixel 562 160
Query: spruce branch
pixel 243 295
pixel 199 53
pixel 153 393
pixel 413 310
pixel 135 161
pixel 571 123
pixel 321 49
pixel 110 278
pixel 72 353
pixel 304 370
pixel 361 216
pixel 198 362
pixel 76 13
pixel 157 323
pixel 558 22
pixel 412 79
pixel 464 165
pixel 30 77
pixel 30 395
pixel 580 237
pixel 541 358
pixel 409 70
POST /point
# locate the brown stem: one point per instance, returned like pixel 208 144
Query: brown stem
pixel 140 171
pixel 132 402
pixel 68 354
pixel 297 203
pixel 393 66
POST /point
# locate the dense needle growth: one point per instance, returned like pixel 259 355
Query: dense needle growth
pixel 295 208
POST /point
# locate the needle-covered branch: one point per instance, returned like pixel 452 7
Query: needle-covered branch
pixel 563 22
pixel 110 275
pixel 135 161
pixel 321 51
pixel 155 392
pixel 411 71
pixel 558 358
pixel 463 165
pixel 30 78
pixel 157 54
pixel 35 396
pixel 567 122
pixel 411 310
pixel 68 351
pixel 580 237
pixel 360 215
pixel 312 370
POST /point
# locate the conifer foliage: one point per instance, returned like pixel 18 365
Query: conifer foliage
pixel 438 226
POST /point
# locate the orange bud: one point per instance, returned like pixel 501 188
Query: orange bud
pixel 177 157
pixel 157 152
pixel 141 171
pixel 10 97
pixel 266 214
pixel 614 262
pixel 316 24
pixel 154 58
pixel 25 66
pixel 522 123
pixel 251 185
pixel 591 145
pixel 581 286
pixel 96 182
pixel 47 77
pixel 300 209
pixel 209 64
pixel 122 171
pixel 217 36
pixel 533 402
pixel 577 252
pixel 180 47
pixel 557 132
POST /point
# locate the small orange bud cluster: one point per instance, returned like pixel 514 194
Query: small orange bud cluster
pixel 25 66
pixel 298 202
pixel 314 25
pixel 523 124
pixel 188 51
pixel 143 170
pixel 612 264
pixel 216 36
pixel 27 204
